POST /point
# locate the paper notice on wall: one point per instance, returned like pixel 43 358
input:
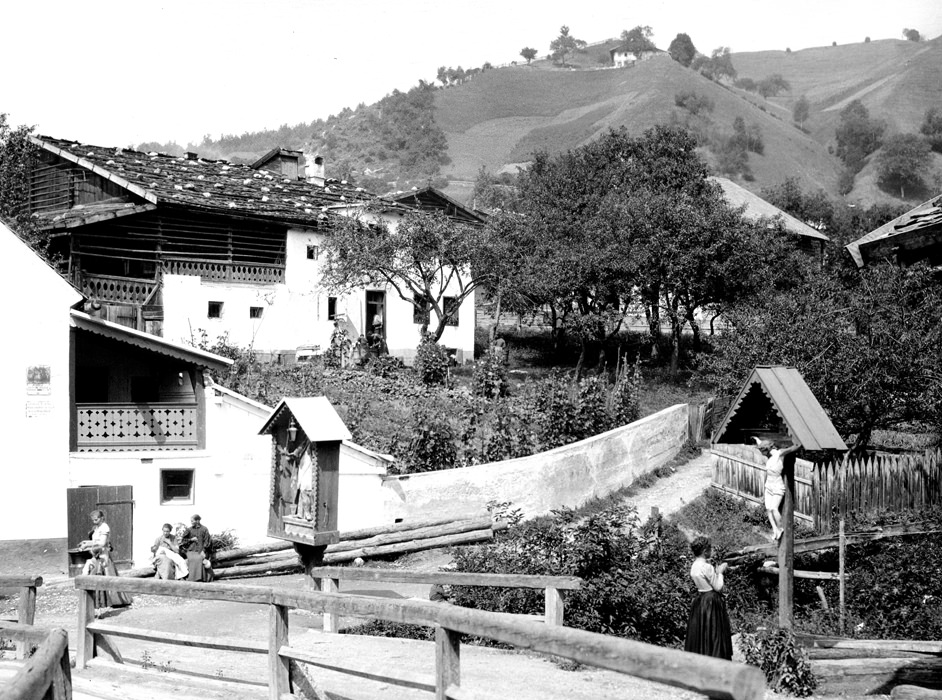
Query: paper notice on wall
pixel 38 380
pixel 38 407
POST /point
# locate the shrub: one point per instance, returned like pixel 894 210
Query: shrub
pixel 625 403
pixel 783 661
pixel 340 346
pixel 694 103
pixel 224 540
pixel 433 444
pixel 489 379
pixel 432 362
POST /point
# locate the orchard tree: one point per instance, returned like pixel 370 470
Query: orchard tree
pixel 772 85
pixel 718 66
pixel 902 162
pixel 932 128
pixel 638 40
pixel 682 50
pixel 424 259
pixel 857 135
pixel 912 35
pixel 528 53
pixel 800 111
pixel 564 46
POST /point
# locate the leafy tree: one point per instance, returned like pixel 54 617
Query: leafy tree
pixel 528 53
pixel 694 103
pixel 747 84
pixel 912 35
pixel 718 66
pixel 423 259
pixel 682 50
pixel 638 40
pixel 493 193
pixel 932 128
pixel 17 154
pixel 800 111
pixel 857 135
pixel 564 46
pixel 902 161
pixel 772 85
pixel 815 209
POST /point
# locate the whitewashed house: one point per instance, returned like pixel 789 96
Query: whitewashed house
pixel 195 250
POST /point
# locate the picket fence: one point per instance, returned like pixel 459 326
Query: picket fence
pixel 883 482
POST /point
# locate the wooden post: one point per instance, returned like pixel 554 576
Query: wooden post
pixel 25 613
pixel 447 661
pixel 554 606
pixel 85 640
pixel 279 674
pixel 786 547
pixel 841 547
pixel 331 620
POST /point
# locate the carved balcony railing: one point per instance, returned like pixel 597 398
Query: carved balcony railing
pixel 116 427
pixel 120 290
pixel 224 271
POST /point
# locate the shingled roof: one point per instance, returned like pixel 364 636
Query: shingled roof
pixel 208 185
pixel 786 393
pixel 757 208
pixel 920 219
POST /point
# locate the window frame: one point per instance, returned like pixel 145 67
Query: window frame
pixel 256 312
pixel 214 305
pixel 176 501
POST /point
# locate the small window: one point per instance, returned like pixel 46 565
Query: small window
pixel 420 308
pixel 214 310
pixel 331 308
pixel 312 252
pixel 255 312
pixel 451 309
pixel 176 486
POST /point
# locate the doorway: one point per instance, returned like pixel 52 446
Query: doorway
pixel 376 314
pixel 118 504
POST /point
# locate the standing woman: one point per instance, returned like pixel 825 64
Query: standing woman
pixel 100 563
pixel 774 481
pixel 708 629
pixel 199 548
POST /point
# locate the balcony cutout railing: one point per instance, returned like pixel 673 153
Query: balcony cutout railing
pixel 226 272
pixel 125 290
pixel 122 427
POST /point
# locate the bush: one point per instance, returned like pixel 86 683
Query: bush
pixel 340 346
pixel 432 362
pixel 783 661
pixel 489 379
pixel 433 444
pixel 694 103
pixel 224 540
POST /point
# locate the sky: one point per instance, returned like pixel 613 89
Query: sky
pixel 123 72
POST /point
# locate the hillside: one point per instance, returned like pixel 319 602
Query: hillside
pixel 499 117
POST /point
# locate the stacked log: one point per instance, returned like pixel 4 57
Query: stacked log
pixel 256 560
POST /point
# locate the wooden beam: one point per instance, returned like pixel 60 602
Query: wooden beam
pixel 42 670
pixel 279 669
pixel 445 578
pixel 331 620
pixel 786 548
pixel 553 606
pixel 400 527
pixel 242 552
pixel 447 661
pixel 914 692
pixel 85 639
pixel 371 672
pixel 180 589
pixel 411 546
pixel 818 575
pixel 450 528
pixel 187 640
pixel 20 581
pixel 22 633
pixel 26 612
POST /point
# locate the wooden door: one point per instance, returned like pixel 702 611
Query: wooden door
pixel 117 503
pixel 328 465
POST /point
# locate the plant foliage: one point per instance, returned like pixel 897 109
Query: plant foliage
pixel 782 659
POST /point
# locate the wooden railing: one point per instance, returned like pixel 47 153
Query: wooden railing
pixel 713 677
pixel 129 426
pixel 553 586
pixel 46 674
pixel 124 290
pixel 225 271
pixel 26 605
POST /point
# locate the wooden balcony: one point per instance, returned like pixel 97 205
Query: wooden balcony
pixel 118 290
pixel 122 427
pixel 225 271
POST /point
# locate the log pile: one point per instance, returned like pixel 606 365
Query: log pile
pixel 279 558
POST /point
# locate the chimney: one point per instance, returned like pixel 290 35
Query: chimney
pixel 314 169
pixel 192 155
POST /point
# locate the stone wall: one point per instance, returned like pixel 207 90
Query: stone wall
pixel 565 476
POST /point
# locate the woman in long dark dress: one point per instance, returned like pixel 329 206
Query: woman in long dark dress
pixel 100 562
pixel 708 629
pixel 199 548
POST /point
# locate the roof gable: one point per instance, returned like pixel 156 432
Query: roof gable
pixel 757 208
pixel 432 198
pixel 314 414
pixel 784 390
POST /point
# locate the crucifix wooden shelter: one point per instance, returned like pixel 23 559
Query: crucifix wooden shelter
pixel 775 404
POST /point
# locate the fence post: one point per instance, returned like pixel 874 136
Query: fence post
pixel 554 607
pixel 85 640
pixel 25 614
pixel 447 661
pixel 279 678
pixel 331 620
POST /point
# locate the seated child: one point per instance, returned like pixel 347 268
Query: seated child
pixel 166 555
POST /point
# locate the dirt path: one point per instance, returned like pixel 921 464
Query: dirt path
pixel 672 493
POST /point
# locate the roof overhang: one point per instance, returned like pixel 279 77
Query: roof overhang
pixel 314 414
pixel 151 343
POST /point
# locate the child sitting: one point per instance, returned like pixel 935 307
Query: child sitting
pixel 166 555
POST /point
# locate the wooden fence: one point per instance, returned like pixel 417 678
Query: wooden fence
pixel 713 677
pixel 26 605
pixel 553 586
pixel 885 482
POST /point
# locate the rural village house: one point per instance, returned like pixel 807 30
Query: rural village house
pixel 623 56
pixel 116 418
pixel 181 247
pixel 915 236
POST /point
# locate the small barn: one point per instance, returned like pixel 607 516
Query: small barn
pixel 304 487
pixel 775 403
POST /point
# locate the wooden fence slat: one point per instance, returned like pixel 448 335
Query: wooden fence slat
pixel 447 661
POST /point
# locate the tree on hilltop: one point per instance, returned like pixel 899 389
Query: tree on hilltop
pixel 912 35
pixel 564 45
pixel 682 50
pixel 902 161
pixel 528 53
pixel 638 40
pixel 718 66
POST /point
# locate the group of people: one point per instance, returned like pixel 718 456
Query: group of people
pixel 708 628
pixel 183 553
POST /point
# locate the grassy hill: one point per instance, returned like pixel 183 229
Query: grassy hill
pixel 500 117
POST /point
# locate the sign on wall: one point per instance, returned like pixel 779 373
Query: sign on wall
pixel 38 385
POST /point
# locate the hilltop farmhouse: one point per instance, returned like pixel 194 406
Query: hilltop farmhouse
pixel 191 250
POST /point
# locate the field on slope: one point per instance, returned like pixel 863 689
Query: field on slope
pixel 501 117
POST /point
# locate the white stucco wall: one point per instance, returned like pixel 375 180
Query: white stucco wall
pixel 565 476
pixel 295 313
pixel 34 417
pixel 360 491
